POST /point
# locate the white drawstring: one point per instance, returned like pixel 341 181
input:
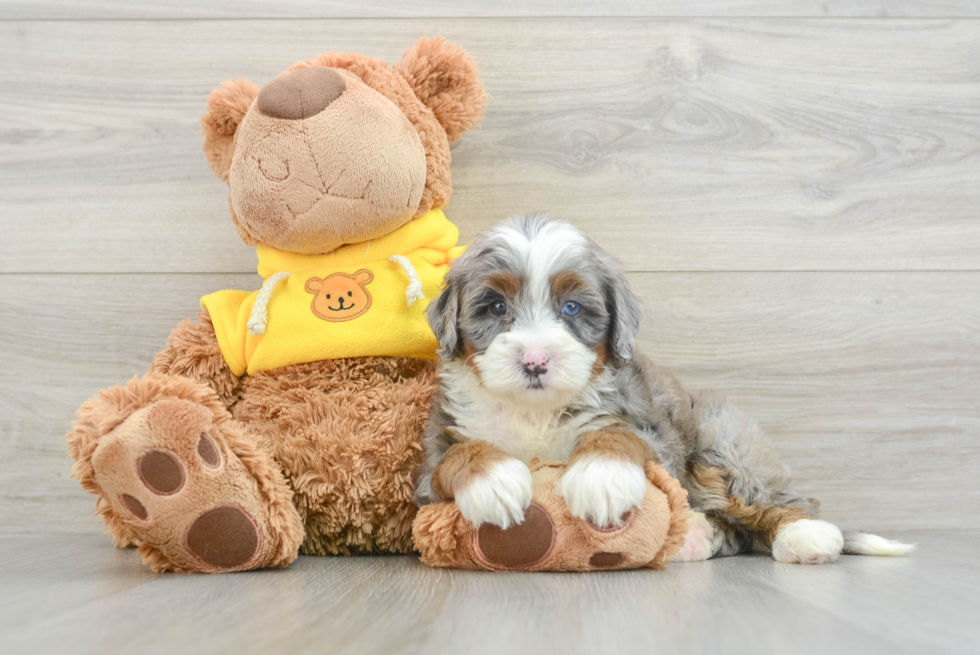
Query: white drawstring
pixel 260 310
pixel 414 290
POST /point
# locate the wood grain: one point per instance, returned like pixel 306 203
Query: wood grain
pixel 865 381
pixel 122 9
pixel 100 600
pixel 682 145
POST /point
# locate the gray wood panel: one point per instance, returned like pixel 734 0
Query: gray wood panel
pixel 680 144
pixel 865 381
pixel 121 9
pixel 100 600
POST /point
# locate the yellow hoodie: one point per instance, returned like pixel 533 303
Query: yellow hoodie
pixel 360 300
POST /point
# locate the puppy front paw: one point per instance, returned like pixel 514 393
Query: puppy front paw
pixel 498 497
pixel 602 490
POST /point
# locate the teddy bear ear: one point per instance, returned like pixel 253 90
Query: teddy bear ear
pixel 226 107
pixel 447 81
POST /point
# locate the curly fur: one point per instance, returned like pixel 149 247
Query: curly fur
pixel 193 352
pixel 346 433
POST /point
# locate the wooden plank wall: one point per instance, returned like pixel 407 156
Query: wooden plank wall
pixel 793 185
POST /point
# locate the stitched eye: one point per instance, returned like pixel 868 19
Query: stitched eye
pixel 571 308
pixel 350 294
pixel 328 296
pixel 498 308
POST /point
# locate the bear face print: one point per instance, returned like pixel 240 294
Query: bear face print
pixel 340 297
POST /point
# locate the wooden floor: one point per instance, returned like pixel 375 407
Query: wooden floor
pixel 793 185
pixel 100 600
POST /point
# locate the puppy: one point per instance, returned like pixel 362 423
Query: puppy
pixel 537 327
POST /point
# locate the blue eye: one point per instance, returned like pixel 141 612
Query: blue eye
pixel 571 308
pixel 498 308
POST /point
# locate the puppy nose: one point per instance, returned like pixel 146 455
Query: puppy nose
pixel 535 362
pixel 301 93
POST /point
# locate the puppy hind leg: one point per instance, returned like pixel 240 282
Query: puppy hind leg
pixel 783 524
pixel 734 472
pixel 709 536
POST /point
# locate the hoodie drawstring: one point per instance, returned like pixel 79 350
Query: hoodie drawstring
pixel 260 310
pixel 414 290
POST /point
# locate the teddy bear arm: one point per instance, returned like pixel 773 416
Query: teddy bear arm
pixel 551 539
pixel 193 352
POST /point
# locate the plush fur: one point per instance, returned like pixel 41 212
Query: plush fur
pixel 207 471
pixel 537 326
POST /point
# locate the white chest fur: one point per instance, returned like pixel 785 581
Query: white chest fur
pixel 522 431
pixel 525 434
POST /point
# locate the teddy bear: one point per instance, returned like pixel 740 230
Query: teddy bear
pixel 290 418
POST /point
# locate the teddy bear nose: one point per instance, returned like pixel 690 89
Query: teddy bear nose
pixel 301 93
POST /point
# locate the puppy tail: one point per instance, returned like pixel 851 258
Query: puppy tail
pixel 862 543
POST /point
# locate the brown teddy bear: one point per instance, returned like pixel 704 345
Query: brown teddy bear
pixel 291 417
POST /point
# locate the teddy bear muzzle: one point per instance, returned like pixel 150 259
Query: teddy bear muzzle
pixel 301 93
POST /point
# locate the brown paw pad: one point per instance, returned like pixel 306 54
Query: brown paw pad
pixel 224 537
pixel 134 506
pixel 522 545
pixel 208 451
pixel 161 472
pixel 606 560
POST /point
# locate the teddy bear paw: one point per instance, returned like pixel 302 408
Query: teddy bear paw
pixel 172 479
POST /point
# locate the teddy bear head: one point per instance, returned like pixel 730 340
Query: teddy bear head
pixel 341 149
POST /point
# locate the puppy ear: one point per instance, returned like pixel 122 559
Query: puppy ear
pixel 625 312
pixel 225 109
pixel 443 316
pixel 447 81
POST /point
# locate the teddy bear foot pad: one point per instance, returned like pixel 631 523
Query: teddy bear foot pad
pixel 173 481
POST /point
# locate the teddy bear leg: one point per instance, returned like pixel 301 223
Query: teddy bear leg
pixel 176 476
pixel 193 352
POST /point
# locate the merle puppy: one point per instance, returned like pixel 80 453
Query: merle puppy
pixel 536 327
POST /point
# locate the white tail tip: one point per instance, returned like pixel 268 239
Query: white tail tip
pixel 862 543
